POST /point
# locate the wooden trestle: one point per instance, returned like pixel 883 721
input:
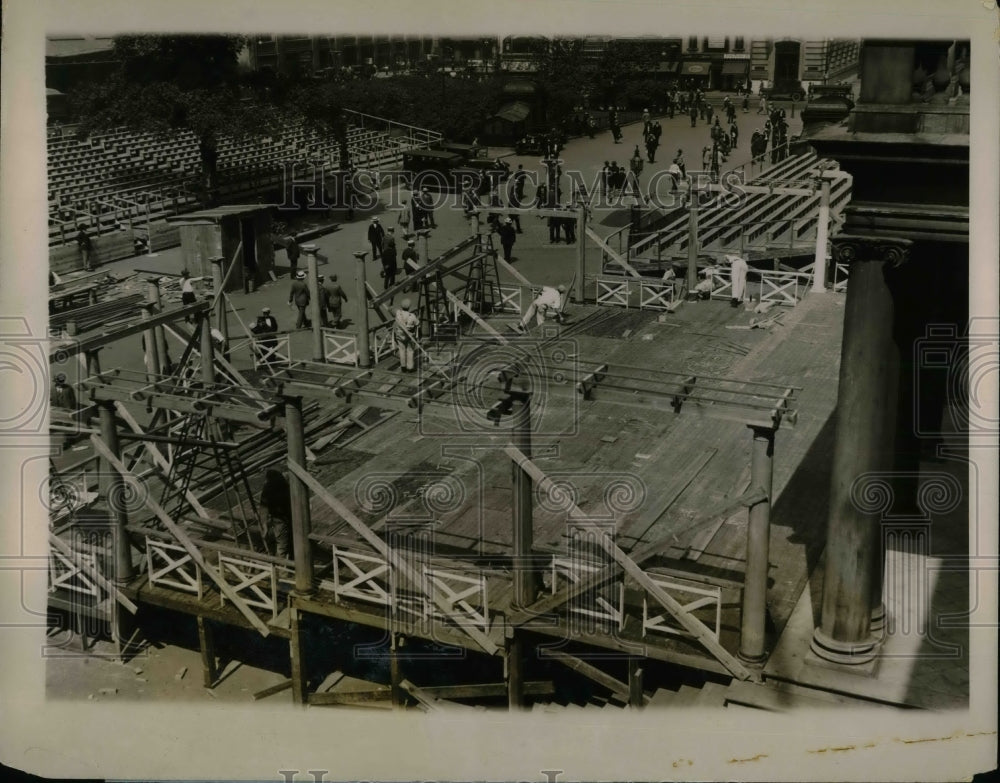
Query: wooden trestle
pixel 369 578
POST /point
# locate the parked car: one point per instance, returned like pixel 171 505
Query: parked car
pixel 431 168
pixel 785 90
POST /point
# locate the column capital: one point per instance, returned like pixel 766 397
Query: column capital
pixel 857 247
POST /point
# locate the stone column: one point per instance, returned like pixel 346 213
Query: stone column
pixel 822 234
pixel 865 430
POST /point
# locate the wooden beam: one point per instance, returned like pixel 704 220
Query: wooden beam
pixel 631 567
pixel 386 552
pixel 384 312
pixel 185 542
pixel 618 688
pixel 487 690
pixel 284 685
pixel 640 555
pixel 255 417
pixel 694 627
pixel 92 571
pixel 224 363
pixel 432 267
pixel 510 269
pixel 63 350
pixel 607 249
pixel 474 316
pixel 157 455
pixel 350 697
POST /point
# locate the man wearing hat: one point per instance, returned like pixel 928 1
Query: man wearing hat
pixel 266 328
pixel 549 301
pixel 85 246
pixel 299 297
pixel 293 251
pixel 405 330
pixel 389 258
pixel 507 237
pixel 62 395
pixel 427 207
pixel 376 235
pixel 332 298
pixel 410 254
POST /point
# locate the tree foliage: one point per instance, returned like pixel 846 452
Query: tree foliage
pixel 193 82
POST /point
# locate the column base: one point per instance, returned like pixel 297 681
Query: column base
pixel 752 660
pixel 847 653
pixel 878 619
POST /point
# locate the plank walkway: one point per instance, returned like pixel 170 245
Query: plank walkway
pixel 679 464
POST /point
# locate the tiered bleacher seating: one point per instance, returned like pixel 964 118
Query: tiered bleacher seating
pixel 128 177
pixel 770 223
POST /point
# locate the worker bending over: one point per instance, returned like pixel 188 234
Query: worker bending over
pixel 548 302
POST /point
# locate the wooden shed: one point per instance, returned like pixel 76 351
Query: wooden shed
pixel 239 233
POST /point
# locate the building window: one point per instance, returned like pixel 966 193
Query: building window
pixel 693 43
pixel 737 44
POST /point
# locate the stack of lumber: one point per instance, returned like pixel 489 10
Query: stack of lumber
pixel 100 314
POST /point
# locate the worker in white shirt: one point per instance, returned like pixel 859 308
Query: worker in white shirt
pixel 405 328
pixel 738 265
pixel 549 301
pixel 707 285
pixel 187 290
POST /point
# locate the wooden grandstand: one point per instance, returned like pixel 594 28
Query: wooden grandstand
pixel 765 225
pixel 131 179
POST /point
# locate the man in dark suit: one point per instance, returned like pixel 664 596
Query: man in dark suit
pixel 376 235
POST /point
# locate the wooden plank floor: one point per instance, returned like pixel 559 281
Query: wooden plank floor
pixel 678 464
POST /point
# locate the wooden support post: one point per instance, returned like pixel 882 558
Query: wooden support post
pixel 822 236
pixel 151 350
pixel 581 254
pixel 300 678
pixel 692 258
pixel 391 557
pixel 301 519
pixel 475 222
pixel 618 688
pixel 364 357
pixel 690 624
pixel 221 319
pixel 754 614
pixel 113 490
pixel 206 643
pixel 315 305
pixel 514 659
pixel 161 337
pixel 525 583
pixel 398 695
pixel 636 698
pixel 866 431
pixel 207 352
pixel 184 540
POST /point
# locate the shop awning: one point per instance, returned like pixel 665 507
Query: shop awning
pixel 514 112
pixel 735 67
pixel 691 68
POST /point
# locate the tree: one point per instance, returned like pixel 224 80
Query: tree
pixel 193 82
pixel 565 72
